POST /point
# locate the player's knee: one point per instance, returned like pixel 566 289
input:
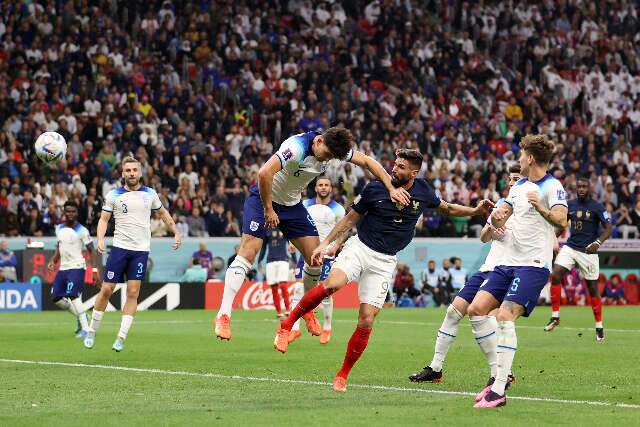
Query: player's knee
pixel 366 320
pixel 556 277
pixel 504 316
pixel 132 293
pixel 593 289
pixel 475 310
pixel 106 291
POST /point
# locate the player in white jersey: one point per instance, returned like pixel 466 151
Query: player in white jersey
pixel 536 205
pixel 276 202
pixel 326 213
pixel 482 325
pixel 131 207
pixel 67 287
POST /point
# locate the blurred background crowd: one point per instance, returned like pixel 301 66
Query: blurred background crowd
pixel 203 92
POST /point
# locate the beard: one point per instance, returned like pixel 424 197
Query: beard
pixel 132 182
pixel 397 181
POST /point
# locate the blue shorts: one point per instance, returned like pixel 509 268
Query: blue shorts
pixel 124 261
pixel 68 283
pixel 522 285
pixel 470 289
pixel 327 262
pixel 295 220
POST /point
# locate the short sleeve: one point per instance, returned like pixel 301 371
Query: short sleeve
pixel 155 202
pixel 362 203
pixel 292 151
pixel 338 210
pixel 603 215
pixel 85 236
pixel 109 204
pixel 509 199
pixel 555 194
pixel 432 200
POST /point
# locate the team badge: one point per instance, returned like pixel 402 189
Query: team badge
pixel 254 226
pixel 110 275
pixel 579 214
pixel 587 214
pixel 415 205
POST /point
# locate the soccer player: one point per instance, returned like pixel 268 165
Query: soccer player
pixel 537 204
pixel 276 202
pixel 276 248
pixel 72 238
pixel 585 216
pixel 326 213
pixel 482 325
pixel 384 229
pixel 131 207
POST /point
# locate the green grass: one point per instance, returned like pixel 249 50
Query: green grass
pixel 565 364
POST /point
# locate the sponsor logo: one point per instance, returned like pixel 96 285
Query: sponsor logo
pixel 254 226
pixel 20 297
pixel 259 297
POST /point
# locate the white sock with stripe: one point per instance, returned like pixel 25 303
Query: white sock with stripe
pixel 298 293
pixel 96 319
pixel 507 347
pixel 484 331
pixel 446 334
pixel 233 280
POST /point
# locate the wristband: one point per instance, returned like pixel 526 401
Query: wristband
pixel 598 242
pixel 95 270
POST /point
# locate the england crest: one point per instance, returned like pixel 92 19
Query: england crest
pixel 254 226
pixel 110 275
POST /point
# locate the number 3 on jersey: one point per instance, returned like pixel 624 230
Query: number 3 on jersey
pixel 124 208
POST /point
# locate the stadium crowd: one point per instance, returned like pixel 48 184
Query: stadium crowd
pixel 202 92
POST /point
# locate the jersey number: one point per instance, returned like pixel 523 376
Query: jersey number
pixel 124 208
pixel 140 268
pixel 579 225
pixel 297 173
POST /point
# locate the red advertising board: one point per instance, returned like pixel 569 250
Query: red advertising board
pixel 257 296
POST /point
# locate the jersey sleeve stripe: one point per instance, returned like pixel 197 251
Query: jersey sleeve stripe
pixel 561 203
pixel 107 209
pixel 282 161
pixel 508 202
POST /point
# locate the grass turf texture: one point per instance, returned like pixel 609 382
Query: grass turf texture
pixel 566 364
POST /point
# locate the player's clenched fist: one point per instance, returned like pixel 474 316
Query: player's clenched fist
pixel 485 206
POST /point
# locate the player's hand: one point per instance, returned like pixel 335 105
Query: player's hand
pixel 499 215
pixel 532 197
pixel 270 218
pixel 177 241
pixel 101 246
pixel 318 254
pixel 292 248
pixel 484 207
pixel 400 195
pixel 592 248
pixel 498 233
pixel 331 251
pixel 51 265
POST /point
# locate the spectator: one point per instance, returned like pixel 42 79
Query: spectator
pixel 8 262
pixel 613 292
pixel 626 223
pixel 204 258
pixel 195 273
pixel 458 274
pixel 216 220
pixel 445 282
pixel 196 223
pixel 181 224
pixel 158 227
pixel 31 224
pixel 404 283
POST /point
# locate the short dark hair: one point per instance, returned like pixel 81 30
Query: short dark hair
pixel 71 204
pixel 515 168
pixel 583 177
pixel 413 156
pixel 338 141
pixel 539 146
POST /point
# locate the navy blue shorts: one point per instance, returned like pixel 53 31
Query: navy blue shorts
pixel 123 261
pixel 471 288
pixel 522 284
pixel 327 262
pixel 295 220
pixel 68 283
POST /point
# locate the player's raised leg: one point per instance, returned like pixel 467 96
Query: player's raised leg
pixel 557 276
pixel 310 277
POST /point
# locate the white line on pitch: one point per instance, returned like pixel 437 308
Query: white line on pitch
pixel 380 321
pixel 304 382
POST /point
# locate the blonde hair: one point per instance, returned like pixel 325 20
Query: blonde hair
pixel 129 159
pixel 539 146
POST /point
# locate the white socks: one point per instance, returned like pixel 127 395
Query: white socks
pixel 484 330
pixel 96 319
pixel 446 334
pixel 233 279
pixel 310 276
pixel 555 314
pixel 74 306
pixel 125 324
pixel 327 308
pixel 507 346
pixel 298 293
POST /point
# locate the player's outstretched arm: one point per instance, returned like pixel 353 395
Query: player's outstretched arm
pixel 338 235
pixel 398 195
pixel 166 218
pixel 103 223
pixel 454 209
pixel 265 184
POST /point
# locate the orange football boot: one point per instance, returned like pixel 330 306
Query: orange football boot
pixel 281 341
pixel 294 335
pixel 340 384
pixel 312 324
pixel 326 336
pixel 222 327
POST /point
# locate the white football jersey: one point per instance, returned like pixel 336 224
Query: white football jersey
pixel 299 168
pixel 71 242
pixel 533 236
pixel 132 213
pixel 499 247
pixel 324 216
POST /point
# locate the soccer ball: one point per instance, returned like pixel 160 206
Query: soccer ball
pixel 51 147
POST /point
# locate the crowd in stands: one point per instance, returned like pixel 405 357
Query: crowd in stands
pixel 203 92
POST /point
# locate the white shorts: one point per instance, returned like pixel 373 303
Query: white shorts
pixel 277 272
pixel 588 264
pixel 373 271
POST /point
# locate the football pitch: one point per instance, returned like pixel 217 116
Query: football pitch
pixel 174 372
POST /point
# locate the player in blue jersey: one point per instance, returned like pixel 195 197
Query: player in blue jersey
pixel 276 202
pixel 535 206
pixel 384 229
pixel 72 238
pixel 130 206
pixel 483 326
pixel 590 227
pixel 276 248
